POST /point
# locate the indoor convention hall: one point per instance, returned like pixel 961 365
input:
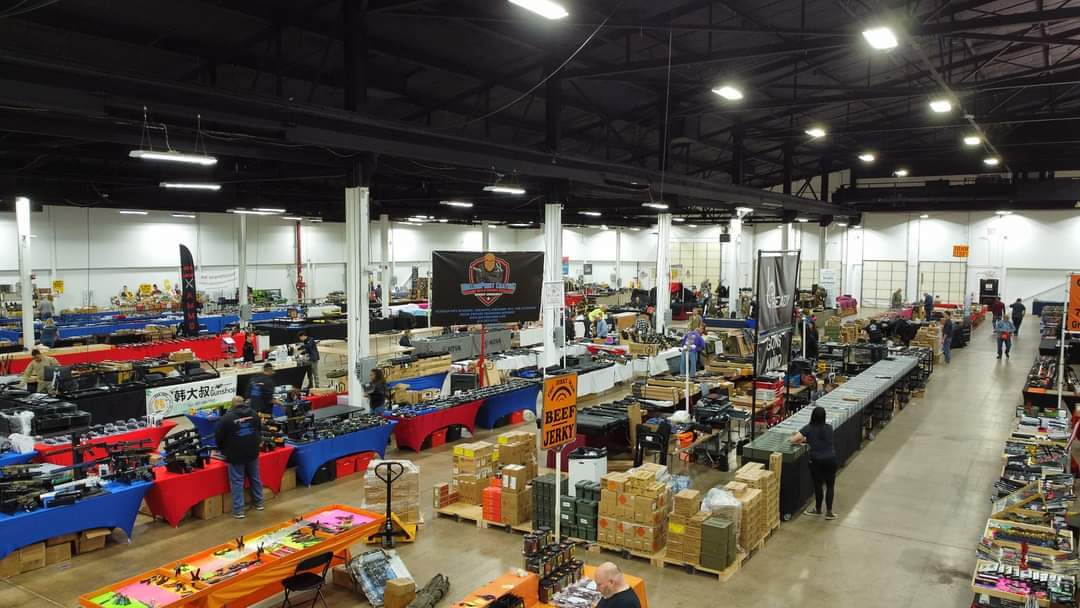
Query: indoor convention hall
pixel 539 303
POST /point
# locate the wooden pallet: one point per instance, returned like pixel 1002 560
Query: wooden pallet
pixel 656 559
pixel 722 575
pixel 462 511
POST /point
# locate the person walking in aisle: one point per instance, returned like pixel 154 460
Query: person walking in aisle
pixel 613 587
pixel 928 306
pixel 1004 330
pixel 238 435
pixel 311 349
pixel 45 309
pixel 819 436
pixel 947 329
pixel 1018 311
pixel 998 308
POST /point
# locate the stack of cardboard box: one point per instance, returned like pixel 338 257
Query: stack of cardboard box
pixel 751 514
pixel 543 500
pixel 516 497
pixel 684 527
pixel 634 509
pixel 405 497
pixel 776 465
pixel 754 475
pixel 442 496
pixel 491 501
pixel 474 466
pixel 518 447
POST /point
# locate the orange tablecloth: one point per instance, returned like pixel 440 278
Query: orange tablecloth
pixel 174 493
pixel 527 588
pixel 61 454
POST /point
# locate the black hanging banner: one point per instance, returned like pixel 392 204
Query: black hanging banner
pixel 188 299
pixel 773 352
pixel 485 287
pixel 777 282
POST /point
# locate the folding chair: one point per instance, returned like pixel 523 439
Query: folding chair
pixel 302 581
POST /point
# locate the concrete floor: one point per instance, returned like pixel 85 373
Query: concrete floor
pixel 912 506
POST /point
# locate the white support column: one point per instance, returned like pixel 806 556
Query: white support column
pixel 241 258
pixel 26 288
pixel 386 274
pixel 365 262
pixel 785 236
pixel 552 272
pixel 485 236
pixel 356 291
pixel 52 256
pixel 663 272
pixel 732 260
pixel 618 258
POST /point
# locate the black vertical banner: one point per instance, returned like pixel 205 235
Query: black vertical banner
pixel 188 299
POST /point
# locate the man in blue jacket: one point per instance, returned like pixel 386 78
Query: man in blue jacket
pixel 239 437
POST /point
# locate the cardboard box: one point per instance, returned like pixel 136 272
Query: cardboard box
pixel 208 508
pixel 11 565
pixel 91 540
pixel 514 477
pixel 339 576
pixel 400 592
pixel 288 481
pixel 63 538
pixel 32 557
pixel 616 482
pixel 55 554
pixel 687 502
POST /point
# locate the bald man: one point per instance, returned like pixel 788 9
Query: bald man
pixel 611 584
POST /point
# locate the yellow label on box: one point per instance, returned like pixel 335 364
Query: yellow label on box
pixel 675 528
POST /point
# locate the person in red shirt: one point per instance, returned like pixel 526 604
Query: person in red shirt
pixel 997 308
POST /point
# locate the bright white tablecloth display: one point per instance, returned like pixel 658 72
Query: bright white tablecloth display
pixel 531 336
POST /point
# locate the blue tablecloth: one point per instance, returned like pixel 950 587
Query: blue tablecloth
pixel 204 422
pixel 507 403
pixel 103 324
pixel 115 509
pixel 11 458
pixel 421 382
pixel 308 457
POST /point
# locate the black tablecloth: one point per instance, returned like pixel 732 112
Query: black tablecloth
pixel 284 332
pixel 288 375
pixel 109 406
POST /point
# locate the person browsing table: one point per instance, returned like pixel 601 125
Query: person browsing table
pixel 34 374
pixel 818 435
pixel 238 436
pixel 261 390
pixel 311 349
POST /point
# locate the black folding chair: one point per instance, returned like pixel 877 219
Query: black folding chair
pixel 302 581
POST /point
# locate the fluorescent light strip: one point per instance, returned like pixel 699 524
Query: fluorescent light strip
pixel 292 218
pixel 655 205
pixel 972 140
pixel 504 189
pixel 269 210
pixel 991 161
pixel 867 157
pixel 941 106
pixel 590 213
pixel 816 132
pixel 545 8
pixel 132 212
pixel 678 219
pixel 190 186
pixel 188 216
pixel 175 157
pixel 248 212
pixel 801 220
pixel 900 173
pixel 463 204
pixel 728 92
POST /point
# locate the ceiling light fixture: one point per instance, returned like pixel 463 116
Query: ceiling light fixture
pixel 881 38
pixel 315 220
pixel 520 224
pixel 655 205
pixel 132 212
pixel 801 220
pixel 972 140
pixel 842 224
pixel 691 225
pixel 867 157
pixel 443 220
pixel 545 8
pixel 728 92
pixel 188 216
pixel 590 213
pixel 816 132
pixel 900 173
pixel 174 156
pixel 504 189
pixel 464 204
pixel 603 227
pixel 941 105
pixel 1003 212
pixel 293 218
pixel 678 219
pixel 190 186
pixel 249 212
pixel 991 161
pixel 744 210
pixel 635 229
pixel 924 216
pixel 269 210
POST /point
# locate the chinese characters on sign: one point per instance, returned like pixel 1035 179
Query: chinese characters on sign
pixel 167 401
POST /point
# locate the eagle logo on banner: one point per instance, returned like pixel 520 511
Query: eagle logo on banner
pixel 489 279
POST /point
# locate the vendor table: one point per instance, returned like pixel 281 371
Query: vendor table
pixel 596 381
pixel 503 405
pixel 292 375
pixel 254 583
pixel 11 458
pixel 117 403
pixel 321 400
pixel 527 587
pixel 61 454
pixel 286 332
pixel 308 457
pixel 420 383
pixel 174 493
pixel 411 432
pixel 205 421
pixel 116 508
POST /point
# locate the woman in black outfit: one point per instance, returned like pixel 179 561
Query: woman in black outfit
pixel 819 436
pixel 377 391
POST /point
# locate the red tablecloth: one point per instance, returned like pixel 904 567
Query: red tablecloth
pixel 61 454
pixel 411 432
pixel 322 400
pixel 173 493
pixel 205 348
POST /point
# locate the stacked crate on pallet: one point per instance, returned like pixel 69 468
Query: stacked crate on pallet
pixel 492 501
pixel 405 495
pixel 474 466
pixel 776 466
pixel 684 531
pixel 718 543
pixel 751 517
pixel 759 478
pixel 543 499
pixel 634 509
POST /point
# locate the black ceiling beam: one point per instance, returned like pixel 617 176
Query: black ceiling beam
pixel 1033 40
pixel 997 21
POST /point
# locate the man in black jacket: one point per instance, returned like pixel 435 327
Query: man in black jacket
pixel 261 390
pixel 1018 310
pixel 239 435
pixel 311 349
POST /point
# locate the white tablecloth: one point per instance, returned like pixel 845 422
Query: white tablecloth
pixel 528 337
pixel 596 381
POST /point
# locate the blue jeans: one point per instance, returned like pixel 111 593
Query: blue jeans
pixel 946 349
pixel 692 356
pixel 1007 343
pixel 237 472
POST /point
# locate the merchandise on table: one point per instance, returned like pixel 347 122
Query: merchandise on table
pixel 264 558
pixel 427 407
pixel 553 561
pixel 38 414
pixel 99 431
pixel 184 452
pixel 416 365
pixel 405 491
pixel 1016 583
